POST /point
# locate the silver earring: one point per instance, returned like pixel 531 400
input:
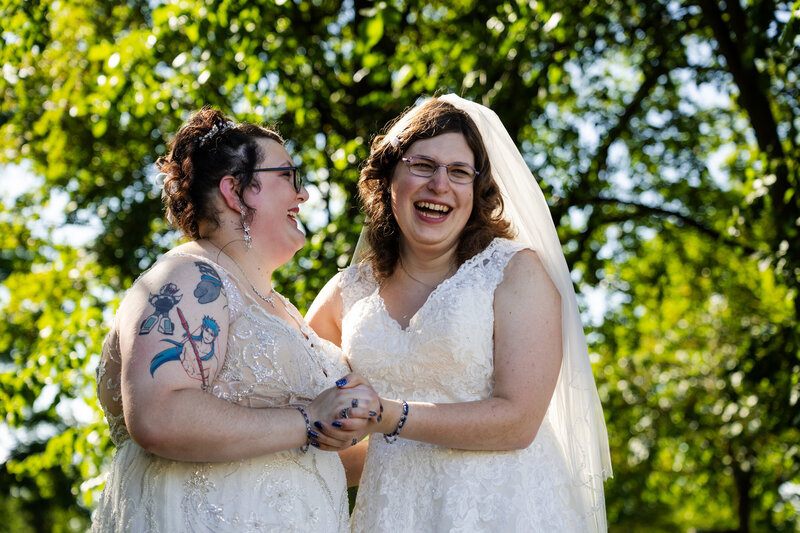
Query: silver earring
pixel 248 240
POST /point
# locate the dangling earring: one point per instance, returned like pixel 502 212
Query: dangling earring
pixel 248 240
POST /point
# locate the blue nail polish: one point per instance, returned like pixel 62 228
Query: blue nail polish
pixel 318 424
pixel 342 382
pixel 380 417
pixel 336 423
pixel 372 413
pixel 313 434
pixel 314 444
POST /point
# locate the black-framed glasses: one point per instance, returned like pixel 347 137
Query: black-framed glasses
pixel 297 180
pixel 425 167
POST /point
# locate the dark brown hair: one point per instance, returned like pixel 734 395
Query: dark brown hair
pixel 428 120
pixel 207 147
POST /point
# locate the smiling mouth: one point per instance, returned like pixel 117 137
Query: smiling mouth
pixel 292 215
pixel 431 210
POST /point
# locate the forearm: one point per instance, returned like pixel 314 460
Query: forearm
pixel 193 425
pixel 491 424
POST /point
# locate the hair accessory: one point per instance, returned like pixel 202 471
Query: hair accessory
pixel 217 129
pixel 394 141
pixel 248 239
pixel 304 447
pixel 391 437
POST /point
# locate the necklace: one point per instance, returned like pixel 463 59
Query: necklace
pixel 269 299
pixel 403 267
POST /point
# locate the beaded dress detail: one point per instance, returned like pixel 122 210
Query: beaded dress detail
pixel 446 355
pixel 269 363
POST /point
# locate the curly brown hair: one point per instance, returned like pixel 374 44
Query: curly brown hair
pixel 382 232
pixel 207 147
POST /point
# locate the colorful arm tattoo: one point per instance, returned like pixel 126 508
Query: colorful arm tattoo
pixel 196 353
pixel 163 302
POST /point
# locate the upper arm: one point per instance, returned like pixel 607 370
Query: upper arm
pixel 325 314
pixel 173 327
pixel 527 331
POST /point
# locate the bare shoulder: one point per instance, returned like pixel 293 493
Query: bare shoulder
pixel 325 313
pixel 525 271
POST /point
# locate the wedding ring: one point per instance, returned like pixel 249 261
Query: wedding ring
pixel 345 413
pixel 354 402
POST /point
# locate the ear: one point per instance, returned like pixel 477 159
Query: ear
pixel 227 188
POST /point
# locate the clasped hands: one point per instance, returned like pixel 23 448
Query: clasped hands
pixel 340 416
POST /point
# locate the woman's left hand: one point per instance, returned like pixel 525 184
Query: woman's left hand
pixel 350 427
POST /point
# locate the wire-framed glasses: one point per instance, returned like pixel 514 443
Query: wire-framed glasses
pixel 297 180
pixel 425 167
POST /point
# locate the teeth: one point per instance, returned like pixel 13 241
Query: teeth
pixel 292 214
pixel 433 207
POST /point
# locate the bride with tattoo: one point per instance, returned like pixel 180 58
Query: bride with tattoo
pixel 215 389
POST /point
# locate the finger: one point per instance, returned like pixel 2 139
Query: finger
pixel 350 424
pixel 361 412
pixel 351 380
pixel 318 439
pixel 329 435
pixel 358 401
pixel 326 448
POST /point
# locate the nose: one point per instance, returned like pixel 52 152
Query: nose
pixel 303 194
pixel 440 181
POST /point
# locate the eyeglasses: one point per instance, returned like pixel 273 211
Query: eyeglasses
pixel 297 180
pixel 425 167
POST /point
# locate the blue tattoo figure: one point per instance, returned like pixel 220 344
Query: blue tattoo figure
pixel 163 302
pixel 210 284
pixel 196 353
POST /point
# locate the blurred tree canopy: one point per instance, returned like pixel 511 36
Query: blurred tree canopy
pixel 664 133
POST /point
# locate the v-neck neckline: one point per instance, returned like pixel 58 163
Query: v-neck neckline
pixel 411 321
pixel 421 308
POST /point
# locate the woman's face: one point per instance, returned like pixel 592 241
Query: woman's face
pixel 432 212
pixel 276 203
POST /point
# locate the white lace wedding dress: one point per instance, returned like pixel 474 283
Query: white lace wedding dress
pixel 446 355
pixel 268 363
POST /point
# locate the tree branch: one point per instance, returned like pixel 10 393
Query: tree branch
pixel 644 209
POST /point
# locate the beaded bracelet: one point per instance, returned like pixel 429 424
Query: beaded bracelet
pixel 304 448
pixel 393 436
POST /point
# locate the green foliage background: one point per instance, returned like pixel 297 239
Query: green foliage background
pixel 665 135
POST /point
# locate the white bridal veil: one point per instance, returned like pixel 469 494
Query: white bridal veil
pixel 575 410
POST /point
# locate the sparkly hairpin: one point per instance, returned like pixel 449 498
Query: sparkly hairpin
pixel 216 130
pixel 394 141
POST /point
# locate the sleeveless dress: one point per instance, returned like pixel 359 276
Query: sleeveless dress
pixel 268 363
pixel 444 356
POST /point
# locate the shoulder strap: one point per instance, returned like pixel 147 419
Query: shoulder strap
pixel 487 268
pixel 357 282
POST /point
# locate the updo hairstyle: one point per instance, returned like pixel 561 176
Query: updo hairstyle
pixel 382 232
pixel 206 148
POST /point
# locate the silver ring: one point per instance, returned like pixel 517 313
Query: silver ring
pixel 344 413
pixel 354 402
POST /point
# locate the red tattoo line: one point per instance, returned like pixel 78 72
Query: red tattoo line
pixel 194 346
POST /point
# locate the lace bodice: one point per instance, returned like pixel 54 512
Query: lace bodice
pixel 447 355
pixel 269 363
